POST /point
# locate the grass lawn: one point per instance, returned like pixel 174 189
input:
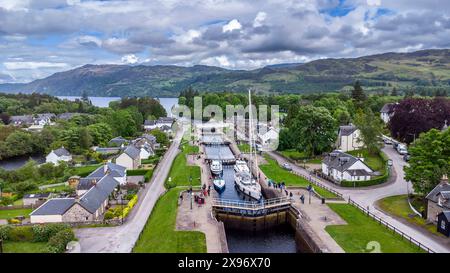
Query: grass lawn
pixel 85 170
pixel 273 171
pixel 159 235
pixel 361 229
pixel 11 213
pixel 188 149
pixel 375 162
pixel 398 206
pixel 299 156
pixel 60 188
pixel 18 202
pixel 180 172
pixel 244 148
pixel 24 247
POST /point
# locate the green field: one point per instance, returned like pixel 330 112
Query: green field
pixel 300 156
pixel 159 235
pixel 244 148
pixel 180 172
pixel 375 162
pixel 12 213
pixel 24 247
pixel 361 229
pixel 398 206
pixel 85 170
pixel 273 171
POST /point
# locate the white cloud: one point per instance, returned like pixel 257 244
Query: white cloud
pixel 14 4
pixel 130 59
pixel 232 25
pixel 374 2
pixel 33 65
pixel 259 19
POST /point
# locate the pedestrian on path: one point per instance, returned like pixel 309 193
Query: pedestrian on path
pixel 302 198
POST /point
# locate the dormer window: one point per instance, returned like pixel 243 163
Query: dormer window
pixel 440 201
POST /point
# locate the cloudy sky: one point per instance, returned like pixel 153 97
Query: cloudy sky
pixel 40 37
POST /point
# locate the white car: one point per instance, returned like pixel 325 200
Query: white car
pixel 401 149
pixel 287 166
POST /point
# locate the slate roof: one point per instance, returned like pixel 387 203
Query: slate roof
pixel 86 183
pixel 347 130
pixel 67 116
pixel 23 119
pixel 55 206
pixel 36 195
pixel 339 160
pixel 446 213
pixel 132 151
pixel 118 140
pixel 165 128
pixel 46 115
pixel 149 122
pixel 386 108
pixel 149 137
pixel 441 189
pixel 96 195
pixel 114 170
pixel 165 120
pixel 61 152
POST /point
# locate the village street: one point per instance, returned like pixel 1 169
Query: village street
pixel 367 197
pixel 121 239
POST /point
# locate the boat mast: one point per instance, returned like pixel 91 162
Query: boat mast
pixel 250 128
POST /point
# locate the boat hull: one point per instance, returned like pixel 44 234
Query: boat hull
pixel 249 191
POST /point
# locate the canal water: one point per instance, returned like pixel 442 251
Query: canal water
pixel 17 162
pixel 277 240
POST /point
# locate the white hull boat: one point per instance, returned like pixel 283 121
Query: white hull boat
pixel 241 166
pixel 216 167
pixel 247 185
pixel 219 184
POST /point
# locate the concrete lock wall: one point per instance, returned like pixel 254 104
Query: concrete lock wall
pixel 305 238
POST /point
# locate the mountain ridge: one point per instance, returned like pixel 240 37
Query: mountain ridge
pixel 427 68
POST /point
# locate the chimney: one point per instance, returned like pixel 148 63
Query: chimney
pixel 94 182
pixel 444 179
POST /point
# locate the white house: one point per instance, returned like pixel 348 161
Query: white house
pixel 340 166
pixel 58 155
pixel 150 125
pixel 349 138
pixel 162 123
pixel 130 158
pixel 146 151
pixel 386 112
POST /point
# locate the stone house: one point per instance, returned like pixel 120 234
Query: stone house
pixel 438 200
pixel 130 158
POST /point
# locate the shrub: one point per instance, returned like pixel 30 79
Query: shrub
pixel 14 221
pixel 109 214
pixel 137 172
pixel 43 233
pixel 21 234
pixel 58 242
pixel 148 175
pixel 5 232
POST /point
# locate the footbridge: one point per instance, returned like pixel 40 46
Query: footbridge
pixel 254 209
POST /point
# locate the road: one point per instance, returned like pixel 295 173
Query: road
pixel 121 239
pixel 367 197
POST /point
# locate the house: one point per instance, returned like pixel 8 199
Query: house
pixel 58 155
pixel 443 223
pixel 117 142
pixel 269 137
pixel 146 151
pixel 44 119
pixel 438 200
pixel 339 166
pixel 165 121
pixel 67 116
pixel 130 158
pixel 34 199
pixel 348 138
pixel 386 112
pixel 88 207
pixel 118 172
pixel 21 120
pixel 166 129
pixel 150 125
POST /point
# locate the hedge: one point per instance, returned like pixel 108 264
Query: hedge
pixel 366 183
pixel 58 242
pixel 137 172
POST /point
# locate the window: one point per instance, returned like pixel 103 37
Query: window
pixel 443 225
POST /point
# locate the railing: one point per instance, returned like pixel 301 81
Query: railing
pixel 391 227
pixel 251 205
pixel 315 182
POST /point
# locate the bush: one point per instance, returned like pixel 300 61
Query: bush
pixel 109 214
pixel 5 232
pixel 137 172
pixel 58 242
pixel 21 234
pixel 43 233
pixel 148 175
pixel 371 182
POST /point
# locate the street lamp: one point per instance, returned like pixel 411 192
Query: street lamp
pixel 190 189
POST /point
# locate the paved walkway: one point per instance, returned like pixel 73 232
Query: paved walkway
pixel 121 239
pixel 367 197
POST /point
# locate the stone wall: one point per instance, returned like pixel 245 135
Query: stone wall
pixel 77 214
pixel 433 211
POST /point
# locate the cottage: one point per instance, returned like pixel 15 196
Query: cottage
pixel 443 223
pixel 21 120
pixel 130 158
pixel 386 112
pixel 150 125
pixel 58 155
pixel 44 119
pixel 117 142
pixel 269 137
pixel 349 138
pixel 438 200
pixel 34 199
pixel 165 121
pixel 340 166
pixel 146 151
pixel 89 207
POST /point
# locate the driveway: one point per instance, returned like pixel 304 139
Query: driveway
pixel 367 197
pixel 121 239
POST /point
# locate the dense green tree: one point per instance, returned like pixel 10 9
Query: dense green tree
pixel 371 128
pixel 358 94
pixel 85 139
pixel 101 133
pixel 161 137
pixel 314 129
pixel 430 159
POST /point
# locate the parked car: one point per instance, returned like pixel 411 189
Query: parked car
pixel 387 141
pixel 287 166
pixel 406 157
pixel 401 149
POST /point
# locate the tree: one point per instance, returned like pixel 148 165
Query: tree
pixel 314 129
pixel 430 159
pixel 394 92
pixel 416 115
pixel 161 137
pixel 85 139
pixel 358 94
pixel 370 127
